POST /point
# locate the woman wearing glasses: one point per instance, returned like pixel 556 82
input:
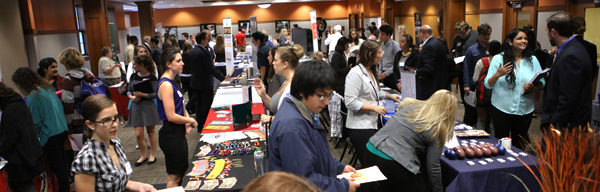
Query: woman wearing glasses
pixel 102 165
pixel 176 121
pixel 362 96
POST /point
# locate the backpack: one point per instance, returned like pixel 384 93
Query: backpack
pixel 484 95
pixel 89 88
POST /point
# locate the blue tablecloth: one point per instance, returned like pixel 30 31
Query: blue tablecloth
pixel 457 175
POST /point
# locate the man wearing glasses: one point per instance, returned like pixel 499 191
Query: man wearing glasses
pixel 298 142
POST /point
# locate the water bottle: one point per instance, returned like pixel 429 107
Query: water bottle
pixel 259 163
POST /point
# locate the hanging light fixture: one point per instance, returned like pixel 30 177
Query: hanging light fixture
pixel 264 5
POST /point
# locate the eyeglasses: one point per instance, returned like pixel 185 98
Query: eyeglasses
pixel 324 97
pixel 116 118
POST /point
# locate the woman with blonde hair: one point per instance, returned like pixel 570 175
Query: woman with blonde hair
pixel 280 181
pixel 284 38
pixel 361 96
pixel 220 53
pixel 284 63
pixel 413 139
pixel 140 50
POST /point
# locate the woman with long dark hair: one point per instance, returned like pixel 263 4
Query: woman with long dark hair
pixel 49 72
pixel 355 43
pixel 407 58
pixel 340 65
pixel 19 143
pixel 48 118
pixel 362 96
pixel 220 54
pixel 512 95
pixel 361 34
pixel 176 121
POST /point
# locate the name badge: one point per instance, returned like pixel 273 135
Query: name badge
pixel 458 44
pixel 179 93
pixel 128 168
pixel 487 52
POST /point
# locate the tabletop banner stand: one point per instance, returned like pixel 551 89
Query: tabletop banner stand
pixel 228 45
pixel 409 87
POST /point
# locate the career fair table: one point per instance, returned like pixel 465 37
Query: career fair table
pixel 121 101
pixel 223 159
pixel 495 173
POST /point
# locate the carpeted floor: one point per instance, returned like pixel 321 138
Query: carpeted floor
pixel 156 174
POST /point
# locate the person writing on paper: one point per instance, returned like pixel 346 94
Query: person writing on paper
pixel 512 95
pixel 362 96
pixel 298 141
pixel 284 63
pixel 102 164
pixel 176 121
pixel 411 142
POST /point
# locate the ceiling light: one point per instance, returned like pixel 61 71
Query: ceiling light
pixel 264 5
pixel 220 3
pixel 160 1
pixel 172 5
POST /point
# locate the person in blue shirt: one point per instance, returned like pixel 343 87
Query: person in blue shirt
pixel 49 120
pixel 298 143
pixel 512 95
pixel 473 54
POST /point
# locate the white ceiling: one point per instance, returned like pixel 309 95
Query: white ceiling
pixel 129 5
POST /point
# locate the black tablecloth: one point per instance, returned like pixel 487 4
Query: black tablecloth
pixel 244 174
pixel 457 175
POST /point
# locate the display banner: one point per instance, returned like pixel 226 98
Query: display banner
pixel 228 45
pixel 315 31
pixel 378 22
pixel 409 84
pixel 418 24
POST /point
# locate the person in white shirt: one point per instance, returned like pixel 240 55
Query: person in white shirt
pixel 331 41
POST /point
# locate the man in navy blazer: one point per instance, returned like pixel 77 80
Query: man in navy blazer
pixel 432 70
pixel 203 75
pixel 591 48
pixel 567 102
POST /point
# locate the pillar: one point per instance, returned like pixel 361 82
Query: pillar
pixel 97 31
pixel 146 18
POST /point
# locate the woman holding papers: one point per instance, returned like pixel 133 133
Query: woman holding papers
pixel 102 165
pixel 362 96
pixel 407 149
pixel 407 58
pixel 143 112
pixel 49 120
pixel 176 121
pixel 512 95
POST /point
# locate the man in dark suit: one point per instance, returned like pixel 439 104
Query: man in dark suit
pixel 432 71
pixel 184 37
pixel 203 75
pixel 567 102
pixel 591 48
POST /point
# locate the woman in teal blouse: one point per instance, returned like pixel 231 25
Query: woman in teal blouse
pixel 512 96
pixel 49 120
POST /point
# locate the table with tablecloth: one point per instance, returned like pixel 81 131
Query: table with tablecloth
pixel 227 96
pixel 457 175
pixel 121 101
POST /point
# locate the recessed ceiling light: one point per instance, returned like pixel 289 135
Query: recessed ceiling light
pixel 172 5
pixel 264 5
pixel 220 3
pixel 160 1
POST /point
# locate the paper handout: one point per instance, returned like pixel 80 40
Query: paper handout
pixel 366 175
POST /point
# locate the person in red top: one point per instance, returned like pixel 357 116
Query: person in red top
pixel 240 40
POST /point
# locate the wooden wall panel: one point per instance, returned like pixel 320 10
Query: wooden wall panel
pixel 97 30
pixel 543 3
pixel 491 4
pixel 54 16
pixel 277 11
pixel 120 16
pixel 473 20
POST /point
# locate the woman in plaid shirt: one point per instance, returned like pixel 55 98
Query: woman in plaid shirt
pixel 102 165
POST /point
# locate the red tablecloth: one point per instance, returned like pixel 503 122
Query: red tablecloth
pixel 257 108
pixel 121 101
